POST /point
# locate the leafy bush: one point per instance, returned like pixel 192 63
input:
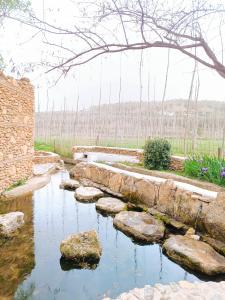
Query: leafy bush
pixel 157 154
pixel 206 168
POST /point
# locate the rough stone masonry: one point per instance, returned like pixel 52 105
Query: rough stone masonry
pixel 16 130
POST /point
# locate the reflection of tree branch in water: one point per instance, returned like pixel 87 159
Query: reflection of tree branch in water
pixel 98 222
pixel 161 263
pixel 106 229
pixel 25 293
pixel 135 264
pixel 185 275
pixel 77 215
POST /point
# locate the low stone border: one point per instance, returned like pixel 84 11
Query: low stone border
pixel 82 153
pixel 44 157
pixel 201 208
pixel 181 290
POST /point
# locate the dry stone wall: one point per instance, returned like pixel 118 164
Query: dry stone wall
pixel 16 130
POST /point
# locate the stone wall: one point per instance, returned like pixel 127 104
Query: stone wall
pixel 138 153
pixel 80 152
pixel 44 157
pixel 16 130
pixel 201 208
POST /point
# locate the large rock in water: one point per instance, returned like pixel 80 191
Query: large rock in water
pixel 83 249
pixel 110 205
pixel 140 225
pixel 69 184
pixel 195 255
pixel 88 194
pixel 10 222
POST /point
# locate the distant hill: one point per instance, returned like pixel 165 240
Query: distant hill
pixel 204 119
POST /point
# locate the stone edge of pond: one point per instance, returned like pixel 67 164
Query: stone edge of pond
pixel 34 183
pixel 181 290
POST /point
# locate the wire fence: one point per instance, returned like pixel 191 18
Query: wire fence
pixel 189 127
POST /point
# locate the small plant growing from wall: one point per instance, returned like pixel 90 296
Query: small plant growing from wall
pixel 157 154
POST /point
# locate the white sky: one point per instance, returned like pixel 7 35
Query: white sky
pixel 85 80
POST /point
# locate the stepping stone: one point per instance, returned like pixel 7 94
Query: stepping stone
pixel 140 225
pixel 10 222
pixel 69 184
pixel 82 249
pixel 88 194
pixel 110 205
pixel 195 255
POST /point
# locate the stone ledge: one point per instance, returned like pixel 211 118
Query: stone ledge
pixel 80 152
pixel 183 202
pixel 181 290
pixel 42 157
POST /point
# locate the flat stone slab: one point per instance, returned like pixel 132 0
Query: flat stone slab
pixel 110 205
pixel 216 244
pixel 30 186
pixel 196 255
pixel 182 290
pixel 69 184
pixel 10 222
pixel 43 169
pixel 88 194
pixel 83 249
pixel 140 225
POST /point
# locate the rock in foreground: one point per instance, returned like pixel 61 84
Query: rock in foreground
pixel 140 225
pixel 10 222
pixel 82 249
pixel 110 205
pixel 88 194
pixel 195 255
pixel 182 290
pixel 69 184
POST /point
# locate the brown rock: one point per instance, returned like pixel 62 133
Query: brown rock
pixel 83 249
pixel 195 255
pixel 139 225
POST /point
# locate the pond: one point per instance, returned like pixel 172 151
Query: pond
pixel 30 263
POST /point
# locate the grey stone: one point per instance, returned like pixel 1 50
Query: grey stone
pixel 69 184
pixel 110 205
pixel 83 249
pixel 140 225
pixel 196 255
pixel 182 290
pixel 10 222
pixel 88 194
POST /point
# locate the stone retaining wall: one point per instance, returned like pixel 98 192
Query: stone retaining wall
pixel 16 130
pixel 189 204
pixel 79 152
pixel 44 157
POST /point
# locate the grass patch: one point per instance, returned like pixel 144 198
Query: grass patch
pixel 62 148
pixel 210 169
pixel 16 184
pixel 203 146
pixel 40 146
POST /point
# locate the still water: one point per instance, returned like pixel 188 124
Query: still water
pixel 30 264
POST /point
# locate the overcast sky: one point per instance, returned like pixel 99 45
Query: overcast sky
pixel 104 72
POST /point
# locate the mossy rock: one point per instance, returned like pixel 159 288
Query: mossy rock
pixel 83 249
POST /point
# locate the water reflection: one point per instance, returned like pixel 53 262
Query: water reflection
pixel 16 253
pixel 123 265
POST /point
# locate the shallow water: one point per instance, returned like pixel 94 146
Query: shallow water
pixel 32 260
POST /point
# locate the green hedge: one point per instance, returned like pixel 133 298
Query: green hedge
pixel 157 154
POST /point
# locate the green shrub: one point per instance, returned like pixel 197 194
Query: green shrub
pixel 157 154
pixel 207 168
